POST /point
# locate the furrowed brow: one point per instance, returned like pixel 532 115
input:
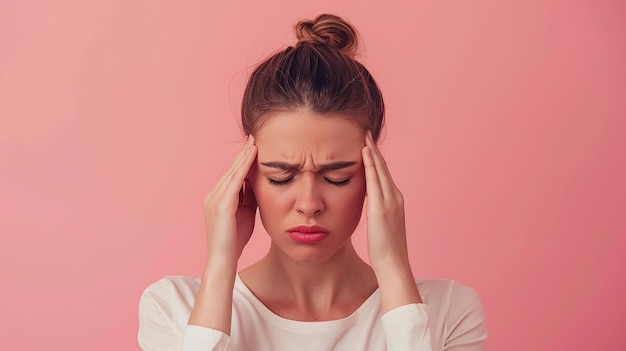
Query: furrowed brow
pixel 281 165
pixel 289 167
pixel 337 165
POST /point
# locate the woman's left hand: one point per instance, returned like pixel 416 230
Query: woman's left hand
pixel 386 231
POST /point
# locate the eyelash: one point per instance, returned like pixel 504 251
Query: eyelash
pixel 288 180
pixel 279 182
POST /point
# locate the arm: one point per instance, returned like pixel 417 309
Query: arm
pixel 230 210
pixel 405 318
pixel 386 233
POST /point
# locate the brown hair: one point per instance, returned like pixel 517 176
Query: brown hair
pixel 320 74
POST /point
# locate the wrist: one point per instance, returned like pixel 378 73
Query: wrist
pixel 219 271
pixel 392 268
pixel 221 262
pixel 213 305
pixel 397 286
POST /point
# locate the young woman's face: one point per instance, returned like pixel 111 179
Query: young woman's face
pixel 309 182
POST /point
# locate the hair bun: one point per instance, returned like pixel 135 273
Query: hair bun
pixel 329 30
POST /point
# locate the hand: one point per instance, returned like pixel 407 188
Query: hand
pixel 386 232
pixel 230 210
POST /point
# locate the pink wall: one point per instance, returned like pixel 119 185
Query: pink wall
pixel 506 135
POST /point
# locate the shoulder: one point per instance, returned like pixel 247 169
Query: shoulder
pixel 173 286
pixel 165 306
pixel 448 292
pixel 456 310
pixel 170 294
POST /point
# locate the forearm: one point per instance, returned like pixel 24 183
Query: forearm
pixel 213 305
pixel 404 316
pixel 397 285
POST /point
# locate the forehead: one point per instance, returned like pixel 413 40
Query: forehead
pixel 289 134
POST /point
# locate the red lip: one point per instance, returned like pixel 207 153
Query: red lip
pixel 308 234
pixel 309 229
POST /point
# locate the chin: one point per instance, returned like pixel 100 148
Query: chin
pixel 311 254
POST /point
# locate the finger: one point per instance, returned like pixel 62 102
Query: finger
pixel 384 176
pixel 241 155
pixel 227 177
pixel 224 194
pixel 377 155
pixel 372 183
pixel 239 173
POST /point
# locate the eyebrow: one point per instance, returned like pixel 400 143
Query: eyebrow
pixel 329 166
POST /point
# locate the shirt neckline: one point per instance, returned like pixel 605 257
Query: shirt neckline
pixel 370 305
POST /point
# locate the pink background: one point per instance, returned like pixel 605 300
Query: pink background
pixel 506 135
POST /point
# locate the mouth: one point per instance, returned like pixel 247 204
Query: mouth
pixel 308 234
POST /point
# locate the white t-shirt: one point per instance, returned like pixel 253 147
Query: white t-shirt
pixel 450 318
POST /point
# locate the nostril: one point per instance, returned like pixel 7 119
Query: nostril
pixel 309 207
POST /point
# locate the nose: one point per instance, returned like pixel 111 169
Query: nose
pixel 309 201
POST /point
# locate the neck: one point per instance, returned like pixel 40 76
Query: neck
pixel 324 290
pixel 333 272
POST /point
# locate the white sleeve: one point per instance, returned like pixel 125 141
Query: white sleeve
pixel 164 309
pixel 199 338
pixel 406 328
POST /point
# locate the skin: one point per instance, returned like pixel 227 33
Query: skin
pixel 306 169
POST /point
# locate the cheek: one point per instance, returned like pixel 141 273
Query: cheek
pixel 268 196
pixel 349 199
pixel 346 208
pixel 274 205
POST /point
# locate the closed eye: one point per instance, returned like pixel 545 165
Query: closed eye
pixel 279 182
pixel 338 183
pixel 290 179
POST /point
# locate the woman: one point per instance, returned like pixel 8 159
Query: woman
pixel 312 114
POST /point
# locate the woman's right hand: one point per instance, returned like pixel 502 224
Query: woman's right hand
pixel 230 210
